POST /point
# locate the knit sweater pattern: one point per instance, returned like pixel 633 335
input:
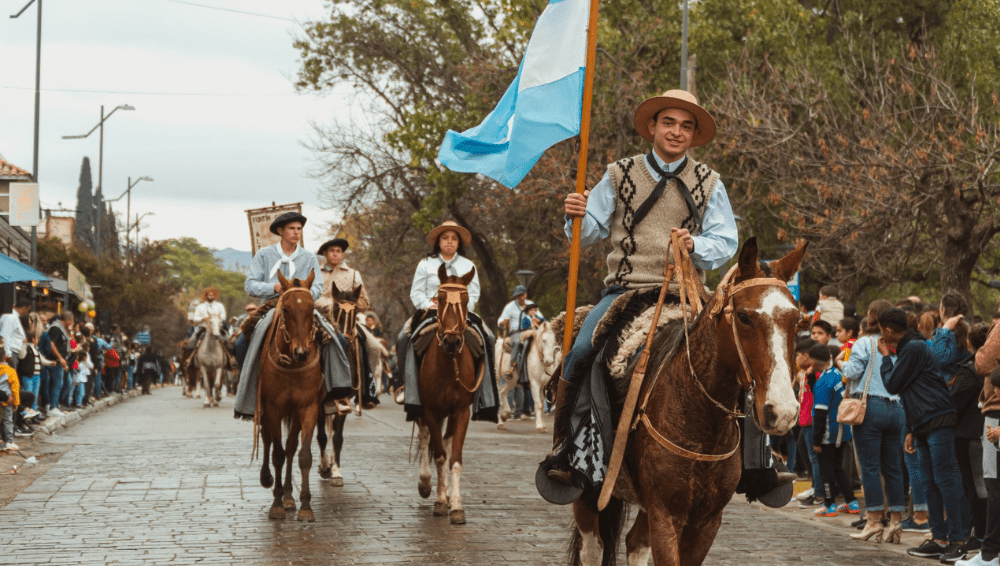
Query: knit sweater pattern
pixel 636 258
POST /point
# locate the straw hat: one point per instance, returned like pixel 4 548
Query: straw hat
pixel 705 124
pixel 463 234
pixel 209 291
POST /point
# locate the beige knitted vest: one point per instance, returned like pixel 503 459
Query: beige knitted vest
pixel 637 258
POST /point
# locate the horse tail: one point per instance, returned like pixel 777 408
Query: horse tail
pixel 610 524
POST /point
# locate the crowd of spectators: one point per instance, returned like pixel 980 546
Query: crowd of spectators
pixel 926 453
pixel 52 366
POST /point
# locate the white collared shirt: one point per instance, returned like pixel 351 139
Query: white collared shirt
pixel 426 282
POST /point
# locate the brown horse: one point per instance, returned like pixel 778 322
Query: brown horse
pixel 447 380
pixel 290 381
pixel 681 463
pixel 342 314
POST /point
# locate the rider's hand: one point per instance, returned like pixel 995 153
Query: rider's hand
pixel 277 287
pixel 685 238
pixel 576 204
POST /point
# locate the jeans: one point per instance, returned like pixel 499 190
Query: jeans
pixel 806 434
pixel 66 395
pixel 78 394
pixel 56 375
pixel 95 377
pixel 8 423
pixel 30 384
pixel 943 485
pixel 582 347
pixel 917 491
pixel 43 387
pixel 240 349
pixel 877 443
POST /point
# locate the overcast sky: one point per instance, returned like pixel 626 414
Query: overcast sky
pixel 217 123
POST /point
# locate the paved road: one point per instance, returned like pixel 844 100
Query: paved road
pixel 160 480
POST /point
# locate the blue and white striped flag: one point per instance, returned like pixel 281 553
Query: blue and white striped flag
pixel 540 108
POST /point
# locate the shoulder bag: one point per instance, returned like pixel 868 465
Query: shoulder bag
pixel 852 411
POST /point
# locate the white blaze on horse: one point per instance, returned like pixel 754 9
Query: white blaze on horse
pixel 210 359
pixel 543 357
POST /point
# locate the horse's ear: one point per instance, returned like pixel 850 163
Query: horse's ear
pixel 467 278
pixel 334 291
pixel 310 279
pixel 284 282
pixel 442 273
pixel 786 267
pixel 356 293
pixel 748 260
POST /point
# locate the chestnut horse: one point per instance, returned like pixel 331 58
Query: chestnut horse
pixel 343 317
pixel 290 381
pixel 682 462
pixel 447 380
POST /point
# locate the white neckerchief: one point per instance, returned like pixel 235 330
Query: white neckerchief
pixel 449 265
pixel 285 259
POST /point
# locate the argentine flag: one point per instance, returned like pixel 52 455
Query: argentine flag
pixel 540 108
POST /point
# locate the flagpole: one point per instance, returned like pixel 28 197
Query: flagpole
pixel 581 185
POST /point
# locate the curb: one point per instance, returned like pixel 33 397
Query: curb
pixel 50 425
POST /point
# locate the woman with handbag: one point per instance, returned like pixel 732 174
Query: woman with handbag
pixel 878 436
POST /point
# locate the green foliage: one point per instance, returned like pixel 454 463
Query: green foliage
pixel 83 232
pixel 192 267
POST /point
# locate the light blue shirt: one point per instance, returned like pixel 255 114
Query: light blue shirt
pixel 717 243
pixel 856 366
pixel 262 277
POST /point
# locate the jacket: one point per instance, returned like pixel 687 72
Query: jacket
pixel 965 396
pixel 916 378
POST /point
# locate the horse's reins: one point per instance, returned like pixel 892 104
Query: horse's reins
pixel 453 303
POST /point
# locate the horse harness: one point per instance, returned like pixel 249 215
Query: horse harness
pixel 453 303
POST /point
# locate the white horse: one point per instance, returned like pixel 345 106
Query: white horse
pixel 210 358
pixel 542 359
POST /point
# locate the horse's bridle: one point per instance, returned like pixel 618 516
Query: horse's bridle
pixel 342 318
pixel 453 302
pixel 282 331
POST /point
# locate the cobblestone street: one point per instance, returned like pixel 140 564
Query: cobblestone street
pixel 161 480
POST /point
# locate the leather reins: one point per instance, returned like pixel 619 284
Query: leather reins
pixel 453 303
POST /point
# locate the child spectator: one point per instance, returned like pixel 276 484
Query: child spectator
pixel 829 308
pixel 821 331
pixel 807 307
pixel 968 434
pixel 29 368
pixel 806 379
pixel 930 423
pixel 848 331
pixel 9 400
pixel 829 436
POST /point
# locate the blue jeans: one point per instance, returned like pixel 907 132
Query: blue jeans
pixel 582 347
pixel 240 349
pixel 96 377
pixel 67 388
pixel 30 384
pixel 807 434
pixel 877 443
pixel 56 375
pixel 917 491
pixel 78 393
pixel 943 485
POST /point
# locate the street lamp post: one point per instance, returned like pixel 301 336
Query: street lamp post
pixel 100 169
pixel 128 211
pixel 38 79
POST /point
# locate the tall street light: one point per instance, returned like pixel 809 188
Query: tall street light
pixel 38 79
pixel 100 168
pixel 128 212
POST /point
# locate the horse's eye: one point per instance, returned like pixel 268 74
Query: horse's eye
pixel 744 319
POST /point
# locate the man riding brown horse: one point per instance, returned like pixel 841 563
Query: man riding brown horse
pixel 639 199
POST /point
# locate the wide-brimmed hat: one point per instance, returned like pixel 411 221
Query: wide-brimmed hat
pixel 285 218
pixel 705 128
pixel 463 234
pixel 209 291
pixel 339 242
pixel 519 290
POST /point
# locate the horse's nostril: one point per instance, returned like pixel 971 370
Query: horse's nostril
pixel 770 416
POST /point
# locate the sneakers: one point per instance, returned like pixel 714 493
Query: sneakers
pixel 973 545
pixel 929 549
pixel 824 511
pixel 953 553
pixel 11 446
pixel 851 507
pixel 805 494
pixel 978 560
pixel 30 413
pixel 810 502
pixel 911 526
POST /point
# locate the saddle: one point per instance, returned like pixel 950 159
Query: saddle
pixel 426 330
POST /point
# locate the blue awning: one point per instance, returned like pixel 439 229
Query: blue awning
pixel 12 271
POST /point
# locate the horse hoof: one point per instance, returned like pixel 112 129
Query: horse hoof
pixel 325 474
pixel 440 508
pixel 424 489
pixel 337 482
pixel 501 426
pixel 306 515
pixel 215 404
pixel 288 504
pixel 276 513
pixel 540 430
pixel 457 516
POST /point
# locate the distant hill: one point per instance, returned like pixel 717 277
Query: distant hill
pixel 234 260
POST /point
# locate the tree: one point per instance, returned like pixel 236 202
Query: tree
pixel 83 232
pixel 192 267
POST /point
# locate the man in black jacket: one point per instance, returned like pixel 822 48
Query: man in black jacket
pixel 930 425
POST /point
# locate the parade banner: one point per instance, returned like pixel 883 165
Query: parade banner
pixel 260 220
pixel 76 282
pixel 60 228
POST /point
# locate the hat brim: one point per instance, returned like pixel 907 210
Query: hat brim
pixel 704 132
pixel 281 223
pixel 463 234
pixel 340 242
